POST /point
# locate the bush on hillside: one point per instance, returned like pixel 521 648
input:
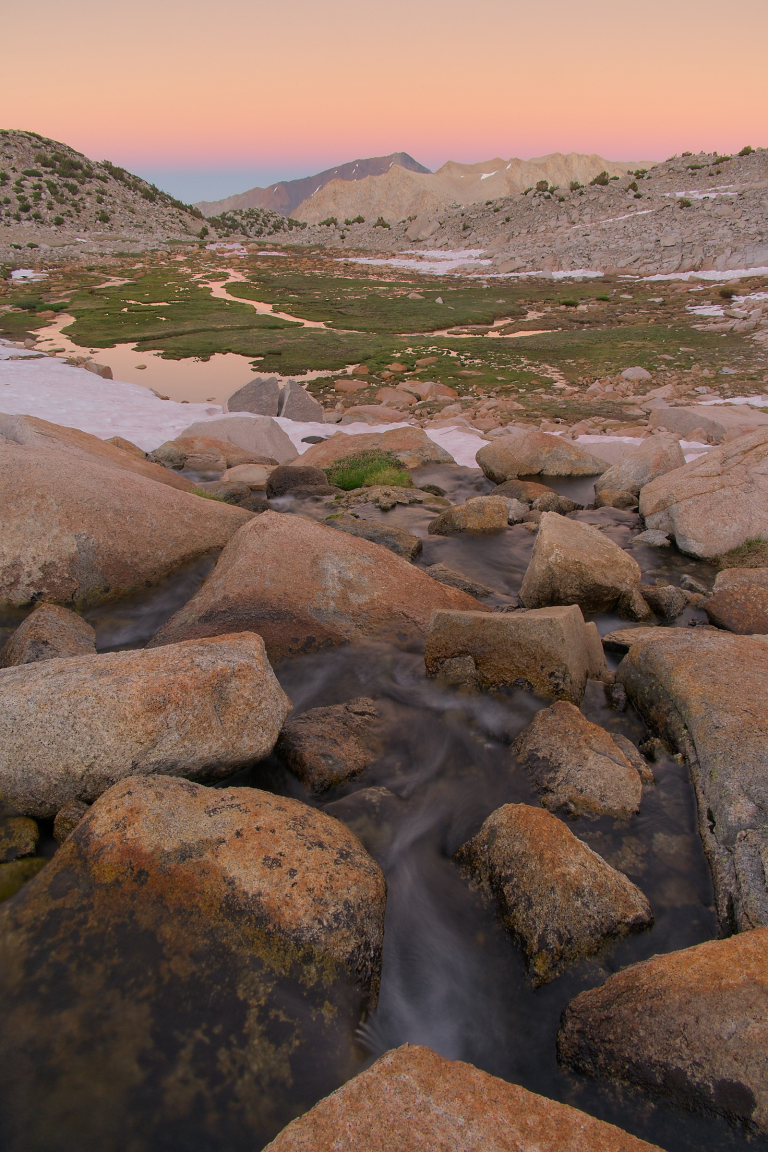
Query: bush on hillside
pixel 602 178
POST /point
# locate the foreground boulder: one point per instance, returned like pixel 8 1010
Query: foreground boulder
pixel 397 540
pixel 305 587
pixel 412 1098
pixel 704 691
pixel 739 608
pixel 559 899
pixel 525 452
pixel 576 766
pixel 207 944
pixel 74 530
pixel 656 456
pixel 574 563
pixel 691 1025
pixel 202 710
pixel 47 633
pixel 411 446
pixel 715 503
pixel 550 651
pixel 259 435
pixel 326 746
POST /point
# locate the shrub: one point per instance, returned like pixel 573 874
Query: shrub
pixel 574 185
pixel 632 187
pixel 542 186
pixel 203 232
pixel 602 178
pixel 727 293
pixel 58 220
pixel 363 469
pixel 570 303
pixel 381 223
pixel 684 202
pixel 30 172
pixel 747 150
pixel 102 216
pixel 331 222
pixel 356 220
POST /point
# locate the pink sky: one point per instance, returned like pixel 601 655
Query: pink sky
pixel 242 90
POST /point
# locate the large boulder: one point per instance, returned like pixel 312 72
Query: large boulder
pixel 559 899
pixel 739 608
pixel 205 454
pixel 326 746
pixel 715 503
pixel 297 404
pixel 550 651
pixel 259 435
pixel 414 1099
pixel 575 563
pixel 482 516
pixel 576 766
pixel 260 396
pixel 411 446
pixel 719 422
pixel 70 728
pixel 525 452
pixel 204 946
pixel 47 633
pixel 74 530
pixel 654 457
pixel 287 479
pixel 741 578
pixel 305 587
pixel 691 1025
pixel 704 691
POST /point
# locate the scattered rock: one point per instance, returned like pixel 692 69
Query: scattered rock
pixel 667 601
pixel 202 709
pixel 102 370
pixel 690 1025
pixel 551 502
pixel 575 563
pixel 516 511
pixel 421 1100
pixel 227 491
pixel 692 585
pixel 67 819
pixel 559 899
pixel 411 446
pixel 297 404
pixel 636 374
pixel 446 575
pixel 525 452
pixel 483 515
pixel 524 490
pixel 653 538
pixel 258 435
pixel 259 396
pixel 398 540
pixel 614 498
pixel 576 766
pixel 739 608
pixel 283 480
pixel 633 606
pixel 47 633
pixel 326 746
pixel 656 456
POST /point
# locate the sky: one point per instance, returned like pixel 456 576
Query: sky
pixel 207 100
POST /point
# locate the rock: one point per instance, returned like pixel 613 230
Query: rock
pixel 202 710
pixel 550 651
pixel 714 423
pixel 691 1025
pixel 613 498
pixel 637 761
pixel 551 502
pixel 656 456
pixel 326 746
pixel 67 819
pixel 576 766
pixel 636 374
pixel 430 389
pixel 412 1098
pixel 486 514
pixel 653 538
pixel 633 606
pixel 411 446
pixel 258 396
pixel 102 370
pixel 258 435
pixel 396 397
pixel 254 503
pixel 263 919
pixel 739 578
pixel 623 638
pixel 254 475
pixel 422 228
pixel 666 601
pixel 704 691
pixel 696 586
pixel 74 530
pixel 446 575
pixel 290 476
pixel 525 452
pixel 742 609
pixel 715 503
pixel 305 587
pixel 516 511
pixel 297 404
pixel 18 837
pixel 84 448
pixel 206 454
pixel 227 492
pixel 374 414
pixel 558 898
pixel 17 873
pixel 47 633
pixel 524 490
pixel 574 563
pixel 127 446
pixel 398 540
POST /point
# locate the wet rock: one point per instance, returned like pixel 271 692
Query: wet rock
pixel 411 446
pixel 615 498
pixel 254 503
pixel 653 538
pixel 446 575
pixel 412 1098
pixel 524 490
pixel 228 492
pixel 15 874
pixel 486 514
pixel 254 475
pixel 341 589
pixel 704 691
pixel 623 638
pixel 574 563
pixel 738 578
pixel 696 586
pixel 576 766
pixel 517 511
pixel 74 530
pixel 667 601
pixel 715 503
pixel 388 496
pixel 67 819
pixel 691 1025
pixel 398 540
pixel 656 456
pixel 243 929
pixel 637 761
pixel 559 899
pixel 297 404
pixel 525 452
pixel 632 606
pixel 326 746
pixel 257 435
pixel 742 609
pixel 258 396
pixel 127 446
pixel 282 481
pixel 47 633
pixel 205 454
pixel 18 837
pixel 202 710
pixel 550 651
pixel 551 502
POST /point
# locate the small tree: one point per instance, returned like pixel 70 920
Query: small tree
pixel 602 178
pixel 747 150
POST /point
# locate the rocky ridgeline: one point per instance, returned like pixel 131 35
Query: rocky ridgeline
pixel 189 951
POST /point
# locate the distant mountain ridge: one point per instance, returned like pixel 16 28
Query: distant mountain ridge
pixel 286 195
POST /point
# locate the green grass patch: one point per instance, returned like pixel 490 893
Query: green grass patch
pixel 364 469
pixel 751 554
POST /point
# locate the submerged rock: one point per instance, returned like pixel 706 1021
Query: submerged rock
pixel 574 563
pixel 656 456
pixel 397 540
pixel 326 746
pixel 690 1025
pixel 576 766
pixel 412 1098
pixel 526 452
pixel 559 899
pixel 47 633
pixel 202 709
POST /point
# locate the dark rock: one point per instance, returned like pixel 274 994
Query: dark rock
pixel 741 609
pixel 18 837
pixel 398 540
pixel 259 396
pixel 633 606
pixel 666 601
pixel 525 490
pixel 47 633
pixel 692 585
pixel 433 489
pixel 16 873
pixel 283 480
pixel 227 491
pixel 67 819
pixel 446 575
pixel 254 503
pixel 326 746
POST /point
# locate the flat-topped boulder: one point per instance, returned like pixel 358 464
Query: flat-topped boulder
pixel 411 1098
pixel 715 503
pixel 201 709
pixel 255 434
pixel 206 454
pixel 49 632
pixel 575 563
pixel 411 446
pixel 304 586
pixel 526 452
pixel 690 1025
pixel 654 457
pixel 719 422
pixel 482 516
pixel 704 691
pixel 741 578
